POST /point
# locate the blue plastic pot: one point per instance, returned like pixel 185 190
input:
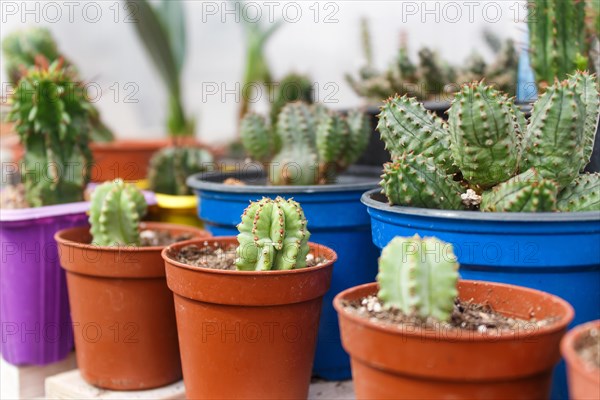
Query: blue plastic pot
pixel 336 218
pixel 555 252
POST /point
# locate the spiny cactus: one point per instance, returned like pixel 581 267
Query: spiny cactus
pixel 273 236
pixel 419 277
pixel 309 144
pixel 557 39
pixel 491 144
pixel 527 192
pixel 51 115
pixel 293 87
pixel 24 49
pixel 484 133
pixel 415 181
pixel 583 194
pixel 115 213
pixel 170 167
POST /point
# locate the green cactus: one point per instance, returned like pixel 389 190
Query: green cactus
pixel 491 143
pixel 115 213
pixel 24 49
pixel 434 74
pixel 309 144
pixel 583 194
pixel 170 167
pixel 419 277
pixel 527 192
pixel 555 140
pixel 557 39
pixel 406 127
pixel 273 236
pixel 484 133
pixel 416 181
pixel 293 87
pixel 51 115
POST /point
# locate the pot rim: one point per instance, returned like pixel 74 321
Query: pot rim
pixel 567 349
pixel 199 181
pixel 59 237
pixel 576 216
pixel 559 325
pixel 313 246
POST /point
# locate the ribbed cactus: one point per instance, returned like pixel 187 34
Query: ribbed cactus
pixel 484 135
pixel 557 38
pixel 170 167
pixel 527 192
pixel 115 213
pixel 419 277
pixel 293 87
pixel 26 48
pixel 309 144
pixel 273 236
pixel 583 194
pixel 490 144
pixel 51 115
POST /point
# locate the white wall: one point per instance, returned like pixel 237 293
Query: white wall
pixel 107 51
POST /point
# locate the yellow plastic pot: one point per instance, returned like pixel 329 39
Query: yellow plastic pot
pixel 175 210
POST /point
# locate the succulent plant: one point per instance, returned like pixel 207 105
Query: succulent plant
pixel 293 87
pixel 488 147
pixel 418 276
pixel 52 117
pixel 24 49
pixel 308 145
pixel 557 39
pixel 115 213
pixel 583 194
pixel 273 236
pixel 170 167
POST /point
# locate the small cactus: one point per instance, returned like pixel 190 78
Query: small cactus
pixel 170 167
pixel 583 194
pixel 293 87
pixel 52 117
pixel 309 144
pixel 115 213
pixel 419 277
pixel 273 236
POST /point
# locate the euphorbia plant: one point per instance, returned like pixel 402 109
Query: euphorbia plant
pixel 52 117
pixel 273 236
pixel 489 150
pixel 115 214
pixel 308 145
pixel 418 276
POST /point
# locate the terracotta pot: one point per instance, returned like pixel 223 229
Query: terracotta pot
pixel 406 362
pixel 122 311
pixel 247 335
pixel 584 382
pixel 126 159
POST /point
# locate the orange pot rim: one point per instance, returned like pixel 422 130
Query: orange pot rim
pixel 559 325
pixel 59 237
pixel 331 257
pixel 567 349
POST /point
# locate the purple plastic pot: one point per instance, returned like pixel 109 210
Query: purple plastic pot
pixel 34 306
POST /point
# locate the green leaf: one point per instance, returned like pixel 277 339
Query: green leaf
pixel 172 16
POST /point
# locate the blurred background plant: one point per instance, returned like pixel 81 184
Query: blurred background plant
pixel 26 48
pixel 432 77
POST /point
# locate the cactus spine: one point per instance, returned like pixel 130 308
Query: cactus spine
pixel 491 144
pixel 273 236
pixel 116 210
pixel 309 144
pixel 170 167
pixel 583 194
pixel 52 118
pixel 418 276
pixel 557 39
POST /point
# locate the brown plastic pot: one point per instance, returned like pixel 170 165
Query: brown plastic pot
pixel 247 334
pixel 407 362
pixel 584 380
pixel 125 159
pixel 122 311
